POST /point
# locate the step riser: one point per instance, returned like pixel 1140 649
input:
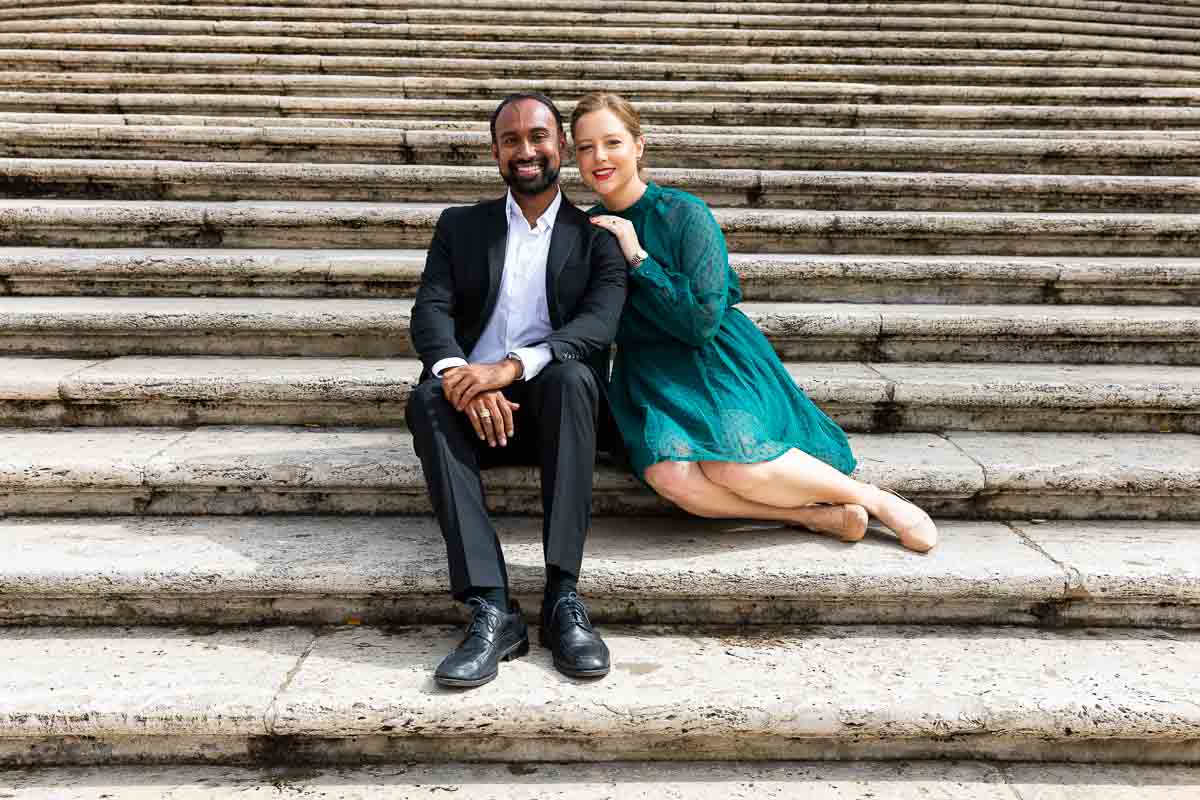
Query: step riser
pixel 826 237
pixel 233 608
pixel 235 500
pixel 850 155
pixel 809 291
pixel 908 74
pixel 875 417
pixel 385 344
pixel 366 51
pixel 810 30
pixel 677 15
pixel 384 749
pixel 688 113
pixel 822 195
pixel 449 89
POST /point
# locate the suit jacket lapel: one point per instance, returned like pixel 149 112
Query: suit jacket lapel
pixel 562 243
pixel 496 239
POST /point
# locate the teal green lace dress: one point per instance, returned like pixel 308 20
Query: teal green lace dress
pixel 694 379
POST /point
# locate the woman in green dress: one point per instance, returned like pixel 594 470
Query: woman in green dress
pixel 711 418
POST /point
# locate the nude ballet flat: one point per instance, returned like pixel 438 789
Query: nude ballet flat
pixel 853 525
pixel 921 536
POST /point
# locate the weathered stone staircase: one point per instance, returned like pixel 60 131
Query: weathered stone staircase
pixel 972 230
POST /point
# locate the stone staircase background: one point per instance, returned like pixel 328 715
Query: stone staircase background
pixel 972 230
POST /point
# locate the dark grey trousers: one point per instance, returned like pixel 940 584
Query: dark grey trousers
pixel 555 430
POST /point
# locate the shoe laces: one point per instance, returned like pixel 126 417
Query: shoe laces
pixel 574 608
pixel 484 619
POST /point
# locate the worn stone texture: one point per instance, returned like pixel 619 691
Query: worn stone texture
pixel 643 569
pixel 872 683
pixel 152 681
pixel 614 781
pixel 1122 561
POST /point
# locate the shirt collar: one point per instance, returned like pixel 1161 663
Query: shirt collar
pixel 544 223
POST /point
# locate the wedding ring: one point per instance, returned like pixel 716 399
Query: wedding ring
pixel 485 414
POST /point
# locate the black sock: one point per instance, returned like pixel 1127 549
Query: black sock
pixel 559 582
pixel 496 595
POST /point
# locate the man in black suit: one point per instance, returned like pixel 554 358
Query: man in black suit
pixel 517 308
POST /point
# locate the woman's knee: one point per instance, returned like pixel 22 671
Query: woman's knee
pixel 674 481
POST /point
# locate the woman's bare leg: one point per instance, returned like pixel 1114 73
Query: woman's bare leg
pixel 797 479
pixel 685 485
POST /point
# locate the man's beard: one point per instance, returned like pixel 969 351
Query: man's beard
pixel 535 184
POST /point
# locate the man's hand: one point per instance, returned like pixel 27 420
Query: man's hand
pixel 491 415
pixel 461 385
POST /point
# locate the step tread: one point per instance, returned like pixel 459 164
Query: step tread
pixel 715 570
pixel 292 380
pixel 669 692
pixel 650 780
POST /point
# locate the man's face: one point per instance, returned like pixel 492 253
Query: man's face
pixel 528 147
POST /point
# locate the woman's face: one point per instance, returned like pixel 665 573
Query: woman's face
pixel 606 152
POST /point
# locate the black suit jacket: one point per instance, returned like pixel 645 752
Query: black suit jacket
pixel 585 285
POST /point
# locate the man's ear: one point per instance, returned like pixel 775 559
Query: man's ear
pixel 562 147
pixel 495 153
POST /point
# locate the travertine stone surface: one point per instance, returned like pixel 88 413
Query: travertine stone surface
pixel 1110 781
pixel 37 378
pixel 79 459
pixel 615 781
pixel 367 141
pixel 865 683
pixel 1081 463
pixel 151 681
pixel 247 380
pixel 904 459
pixel 636 568
pixel 1108 386
pixel 146 179
pixel 1123 561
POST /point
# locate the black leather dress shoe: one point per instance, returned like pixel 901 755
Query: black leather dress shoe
pixel 579 652
pixel 493 636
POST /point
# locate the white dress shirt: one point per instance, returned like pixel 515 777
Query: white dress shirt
pixel 521 318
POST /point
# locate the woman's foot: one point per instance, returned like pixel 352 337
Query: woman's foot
pixel 914 527
pixel 847 522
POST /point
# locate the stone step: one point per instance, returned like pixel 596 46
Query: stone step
pixel 43 61
pixel 1158 153
pixel 955 51
pixel 666 14
pixel 103 326
pixel 381 570
pixel 817 780
pixel 1117 154
pixel 129 223
pixel 365 87
pixel 148 179
pixel 442 23
pixel 913 7
pixel 351 694
pixel 286 469
pixel 729 114
pixel 162 272
pixel 887 397
pixel 177 326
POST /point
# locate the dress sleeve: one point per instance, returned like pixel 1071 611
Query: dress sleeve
pixel 690 303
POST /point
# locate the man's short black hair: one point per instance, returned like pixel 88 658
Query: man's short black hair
pixel 538 96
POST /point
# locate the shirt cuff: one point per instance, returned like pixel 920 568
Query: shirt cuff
pixel 534 359
pixel 447 363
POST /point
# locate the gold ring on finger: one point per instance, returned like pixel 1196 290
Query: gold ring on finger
pixel 485 414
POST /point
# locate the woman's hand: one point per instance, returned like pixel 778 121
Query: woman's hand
pixel 623 229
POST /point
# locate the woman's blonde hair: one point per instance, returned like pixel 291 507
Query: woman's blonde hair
pixel 598 101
